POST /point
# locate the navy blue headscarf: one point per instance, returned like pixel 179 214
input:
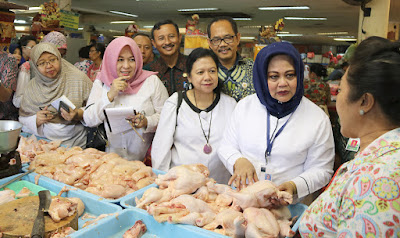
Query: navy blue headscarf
pixel 260 78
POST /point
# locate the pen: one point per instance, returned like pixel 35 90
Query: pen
pixel 137 133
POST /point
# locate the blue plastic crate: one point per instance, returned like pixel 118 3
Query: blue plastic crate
pixel 295 210
pixel 96 197
pixel 118 225
pixel 92 206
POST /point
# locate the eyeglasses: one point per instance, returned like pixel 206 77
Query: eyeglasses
pixel 217 41
pixel 44 63
pixel 92 50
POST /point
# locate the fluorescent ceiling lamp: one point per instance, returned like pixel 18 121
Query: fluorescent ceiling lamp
pixel 284 8
pixel 333 33
pixel 124 13
pixel 80 28
pixel 20 28
pixel 34 8
pixel 30 10
pixel 247 38
pixel 148 27
pixel 117 36
pixel 345 39
pixel 242 19
pixel 289 34
pixel 19 21
pixel 307 18
pixel 198 9
pixel 122 22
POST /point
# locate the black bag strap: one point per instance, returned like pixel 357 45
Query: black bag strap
pixel 178 105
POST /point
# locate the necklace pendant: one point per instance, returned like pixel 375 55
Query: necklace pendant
pixel 207 148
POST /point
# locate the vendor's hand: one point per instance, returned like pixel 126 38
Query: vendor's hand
pixel 289 187
pixel 139 121
pixel 69 116
pixel 243 170
pixel 43 116
pixel 118 85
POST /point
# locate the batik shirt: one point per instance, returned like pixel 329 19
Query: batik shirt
pixel 8 72
pixel 363 199
pixel 317 91
pixel 238 81
pixel 83 65
pixel 173 78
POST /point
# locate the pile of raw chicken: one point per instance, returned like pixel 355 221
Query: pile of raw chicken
pixel 104 174
pixel 186 195
pixel 28 148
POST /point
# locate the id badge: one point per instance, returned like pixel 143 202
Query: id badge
pixel 353 144
pixel 266 172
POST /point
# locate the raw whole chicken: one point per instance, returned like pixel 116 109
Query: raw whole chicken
pixel 61 208
pixel 229 222
pixel 177 209
pixel 263 193
pixel 136 231
pixel 184 179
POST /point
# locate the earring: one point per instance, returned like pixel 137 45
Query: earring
pixel 361 112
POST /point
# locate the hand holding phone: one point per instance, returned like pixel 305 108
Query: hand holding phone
pixel 64 106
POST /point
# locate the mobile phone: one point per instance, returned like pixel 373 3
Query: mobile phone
pixel 64 106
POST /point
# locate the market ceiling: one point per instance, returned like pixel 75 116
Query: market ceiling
pixel 340 16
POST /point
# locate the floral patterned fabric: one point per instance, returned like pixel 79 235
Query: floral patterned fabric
pixel 317 91
pixel 93 71
pixel 9 71
pixel 83 65
pixel 363 199
pixel 238 81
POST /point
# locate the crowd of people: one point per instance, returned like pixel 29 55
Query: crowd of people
pixel 245 120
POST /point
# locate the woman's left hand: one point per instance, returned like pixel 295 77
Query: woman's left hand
pixel 139 121
pixel 69 116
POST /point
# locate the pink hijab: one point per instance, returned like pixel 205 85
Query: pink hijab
pixel 109 65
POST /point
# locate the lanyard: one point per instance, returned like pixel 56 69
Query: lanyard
pixel 270 141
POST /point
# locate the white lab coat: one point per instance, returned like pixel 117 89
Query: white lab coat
pixel 303 152
pixel 149 99
pixel 181 141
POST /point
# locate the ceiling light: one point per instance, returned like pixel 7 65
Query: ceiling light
pixel 247 38
pixel 124 13
pixel 20 28
pixel 289 35
pixel 117 36
pixel 30 10
pixel 19 21
pixel 307 18
pixel 34 8
pixel 333 33
pixel 80 28
pixel 284 8
pixel 345 39
pixel 241 19
pixel 148 27
pixel 198 9
pixel 122 22
pixel 250 26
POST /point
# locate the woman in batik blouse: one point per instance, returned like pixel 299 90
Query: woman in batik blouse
pixel 363 198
